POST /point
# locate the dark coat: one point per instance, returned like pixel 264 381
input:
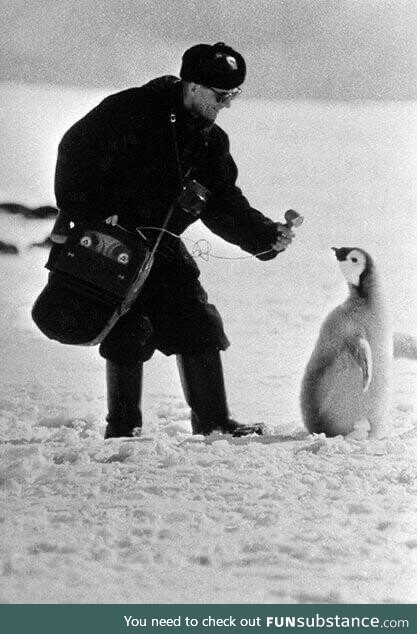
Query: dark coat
pixel 120 159
pixel 127 157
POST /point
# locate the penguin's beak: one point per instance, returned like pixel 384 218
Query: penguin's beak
pixel 341 253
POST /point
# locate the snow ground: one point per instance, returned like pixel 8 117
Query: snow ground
pixel 171 518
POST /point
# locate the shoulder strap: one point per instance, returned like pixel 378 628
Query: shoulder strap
pixel 173 120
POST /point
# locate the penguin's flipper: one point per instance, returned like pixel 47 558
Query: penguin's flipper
pixel 405 346
pixel 362 354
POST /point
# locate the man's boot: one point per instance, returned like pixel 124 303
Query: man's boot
pixel 203 384
pixel 124 393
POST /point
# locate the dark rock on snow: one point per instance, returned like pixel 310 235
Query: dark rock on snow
pixel 47 243
pixel 45 211
pixel 9 249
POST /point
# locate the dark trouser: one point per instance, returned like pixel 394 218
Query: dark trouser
pixel 172 315
pixel 202 381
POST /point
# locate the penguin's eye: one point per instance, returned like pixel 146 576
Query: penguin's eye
pixel 354 260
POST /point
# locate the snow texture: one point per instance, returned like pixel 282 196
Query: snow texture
pixel 172 518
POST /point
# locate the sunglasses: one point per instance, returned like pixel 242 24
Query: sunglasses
pixel 223 97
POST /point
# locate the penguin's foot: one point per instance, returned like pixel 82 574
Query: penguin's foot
pixel 361 430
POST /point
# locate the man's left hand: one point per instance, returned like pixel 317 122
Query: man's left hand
pixel 284 238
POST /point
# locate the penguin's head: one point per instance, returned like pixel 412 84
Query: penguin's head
pixel 355 264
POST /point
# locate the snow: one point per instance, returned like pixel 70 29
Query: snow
pixel 173 518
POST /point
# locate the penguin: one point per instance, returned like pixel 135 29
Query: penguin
pixel 348 379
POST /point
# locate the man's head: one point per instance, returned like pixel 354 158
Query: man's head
pixel 212 75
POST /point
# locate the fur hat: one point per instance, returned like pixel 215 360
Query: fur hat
pixel 217 66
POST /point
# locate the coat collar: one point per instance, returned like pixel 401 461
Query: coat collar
pixel 189 123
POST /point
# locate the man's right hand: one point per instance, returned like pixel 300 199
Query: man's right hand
pixel 112 220
pixel 284 237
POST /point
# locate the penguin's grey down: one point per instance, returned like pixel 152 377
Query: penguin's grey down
pixel 348 378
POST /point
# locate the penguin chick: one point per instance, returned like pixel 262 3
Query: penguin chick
pixel 348 378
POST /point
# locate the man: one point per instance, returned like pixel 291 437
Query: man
pixel 126 162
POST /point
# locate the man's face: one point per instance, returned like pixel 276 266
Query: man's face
pixel 206 103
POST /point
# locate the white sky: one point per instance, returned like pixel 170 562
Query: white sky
pixel 342 49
